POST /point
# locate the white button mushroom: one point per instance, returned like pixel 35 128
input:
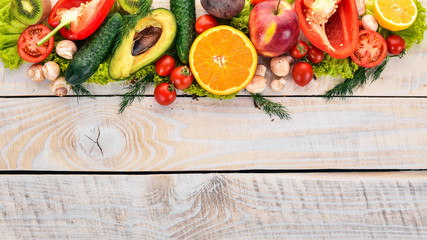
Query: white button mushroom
pixel 36 72
pixel 51 70
pixel 361 7
pixel 280 66
pixel 66 49
pixel 60 87
pixel 277 85
pixel 257 85
pixel 369 23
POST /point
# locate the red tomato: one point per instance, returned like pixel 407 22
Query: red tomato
pixel 314 54
pixel 395 44
pixel 371 49
pixel 181 77
pixel 302 73
pixel 205 22
pixel 27 43
pixel 165 65
pixel 165 94
pixel 299 50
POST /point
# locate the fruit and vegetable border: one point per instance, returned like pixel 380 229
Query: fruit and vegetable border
pixel 71 42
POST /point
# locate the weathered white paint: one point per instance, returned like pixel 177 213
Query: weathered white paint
pixel 63 134
pixel 211 206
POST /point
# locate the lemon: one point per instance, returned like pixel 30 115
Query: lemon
pixel 395 15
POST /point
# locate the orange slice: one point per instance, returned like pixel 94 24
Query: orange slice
pixel 395 15
pixel 223 60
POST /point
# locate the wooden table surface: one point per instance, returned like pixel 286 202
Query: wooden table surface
pixel 211 169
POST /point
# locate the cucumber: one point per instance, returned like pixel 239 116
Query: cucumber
pixel 185 13
pixel 87 60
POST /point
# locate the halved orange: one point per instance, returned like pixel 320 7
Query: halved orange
pixel 223 60
pixel 395 15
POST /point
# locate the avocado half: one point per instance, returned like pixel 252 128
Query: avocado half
pixel 152 36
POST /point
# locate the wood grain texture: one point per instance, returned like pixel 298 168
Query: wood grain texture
pixel 402 77
pixel 210 206
pixel 63 134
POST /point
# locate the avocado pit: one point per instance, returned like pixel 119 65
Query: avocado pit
pixel 145 39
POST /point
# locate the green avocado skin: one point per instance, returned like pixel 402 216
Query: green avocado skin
pixel 87 60
pixel 185 13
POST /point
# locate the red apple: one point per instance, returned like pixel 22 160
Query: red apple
pixel 273 30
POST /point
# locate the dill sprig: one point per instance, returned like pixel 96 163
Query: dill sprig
pixel 271 108
pixel 360 78
pixel 80 91
pixel 136 90
pixel 130 21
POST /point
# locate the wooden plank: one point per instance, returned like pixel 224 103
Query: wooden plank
pixel 402 77
pixel 211 206
pixel 360 133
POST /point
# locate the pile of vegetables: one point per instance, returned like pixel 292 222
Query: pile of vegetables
pixel 90 41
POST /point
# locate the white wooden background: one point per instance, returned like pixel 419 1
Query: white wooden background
pixel 383 127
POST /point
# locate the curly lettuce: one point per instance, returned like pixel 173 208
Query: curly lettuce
pixel 10 30
pixel 343 68
pixel 197 90
pixel 101 76
pixel 241 21
pixel 415 33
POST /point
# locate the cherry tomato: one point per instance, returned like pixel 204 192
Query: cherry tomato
pixel 302 73
pixel 299 50
pixel 165 94
pixel 181 77
pixel 395 44
pixel 165 65
pixel 27 43
pixel 371 49
pixel 314 54
pixel 205 22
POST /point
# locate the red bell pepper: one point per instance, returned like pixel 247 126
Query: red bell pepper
pixel 330 25
pixel 78 19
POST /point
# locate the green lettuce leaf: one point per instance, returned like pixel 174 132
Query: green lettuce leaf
pixel 197 90
pixel 343 68
pixel 10 30
pixel 241 21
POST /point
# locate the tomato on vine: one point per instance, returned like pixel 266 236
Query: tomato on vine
pixel 165 94
pixel 299 50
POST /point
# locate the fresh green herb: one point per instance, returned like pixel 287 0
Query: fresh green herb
pixel 80 91
pixel 130 21
pixel 415 33
pixel 136 90
pixel 196 90
pixel 343 68
pixel 271 108
pixel 361 77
